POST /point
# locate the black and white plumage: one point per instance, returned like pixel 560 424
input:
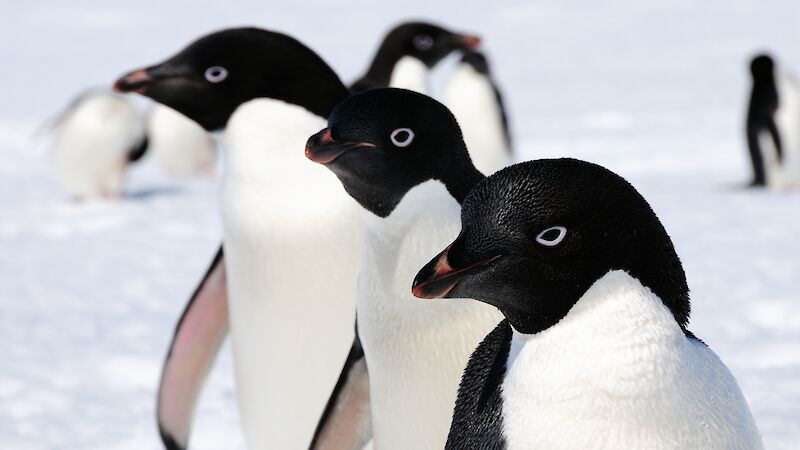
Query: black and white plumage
pixel 408 52
pixel 400 154
pixel 773 125
pixel 594 351
pixel 291 235
pixel 472 95
pixel 95 140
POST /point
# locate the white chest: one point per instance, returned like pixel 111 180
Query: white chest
pixel 292 245
pixel 617 372
pixel 415 349
pixel 471 98
pixel 410 73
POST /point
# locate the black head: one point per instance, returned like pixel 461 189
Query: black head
pixel 211 77
pixel 762 66
pixel 535 236
pixel 383 142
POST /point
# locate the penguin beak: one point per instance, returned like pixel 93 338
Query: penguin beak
pixel 438 277
pixel 142 80
pixel 137 81
pixel 322 148
pixel 468 41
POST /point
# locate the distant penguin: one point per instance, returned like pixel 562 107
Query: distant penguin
pixel 291 236
pixel 180 146
pixel 96 137
pixel 401 156
pixel 408 52
pixel 474 98
pixel 773 125
pixel 594 351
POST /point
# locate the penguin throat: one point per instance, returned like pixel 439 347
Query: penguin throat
pixel 410 73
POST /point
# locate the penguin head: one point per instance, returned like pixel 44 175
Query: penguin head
pixel 762 66
pixel 426 42
pixel 210 78
pixel 383 142
pixel 535 237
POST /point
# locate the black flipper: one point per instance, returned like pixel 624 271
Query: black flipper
pixel 477 419
pixel 136 153
pixel 192 352
pixel 346 423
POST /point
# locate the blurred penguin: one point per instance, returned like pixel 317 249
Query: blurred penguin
pixel 473 97
pixel 407 54
pixel 181 146
pixel 96 138
pixel 773 125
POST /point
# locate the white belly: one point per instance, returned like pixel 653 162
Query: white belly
pixel 181 146
pixel 410 73
pixel 416 350
pixel 91 145
pixel 470 97
pixel 292 245
pixel 618 373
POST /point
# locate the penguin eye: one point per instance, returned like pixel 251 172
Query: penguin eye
pixel 216 74
pixel 551 236
pixel 402 137
pixel 423 42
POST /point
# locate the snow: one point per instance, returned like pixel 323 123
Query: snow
pixel 89 293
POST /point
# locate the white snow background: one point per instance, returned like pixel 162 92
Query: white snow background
pixel 656 91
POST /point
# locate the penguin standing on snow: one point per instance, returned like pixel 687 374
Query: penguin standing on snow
pixel 773 125
pixel 474 98
pixel 594 351
pixel 287 279
pixel 181 147
pixel 401 156
pixel 96 138
pixel 407 54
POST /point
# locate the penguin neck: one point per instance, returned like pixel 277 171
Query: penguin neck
pixel 461 177
pixel 383 64
pixel 617 312
pixel 430 198
pixel 264 141
pixel 410 73
pixel 317 96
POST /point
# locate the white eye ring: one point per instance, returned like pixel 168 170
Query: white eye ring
pixel 552 243
pixel 216 74
pixel 407 141
pixel 423 42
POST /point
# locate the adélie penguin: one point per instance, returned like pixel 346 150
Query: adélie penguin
pixel 408 52
pixel 773 125
pixel 594 351
pixel 95 139
pixel 291 236
pixel 473 97
pixel 400 154
pixel 181 147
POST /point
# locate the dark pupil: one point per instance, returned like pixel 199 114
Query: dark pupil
pixel 551 235
pixel 216 72
pixel 401 136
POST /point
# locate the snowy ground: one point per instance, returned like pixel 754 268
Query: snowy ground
pixel 653 90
